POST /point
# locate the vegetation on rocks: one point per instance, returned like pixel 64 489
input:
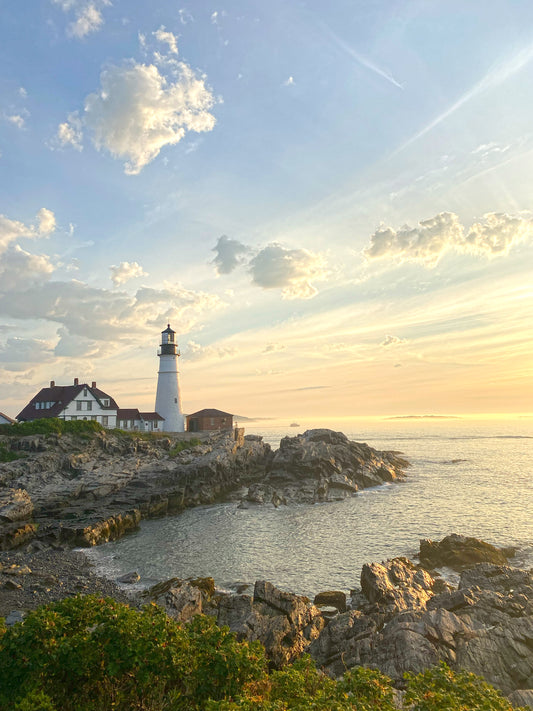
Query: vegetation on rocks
pixel 51 425
pixel 184 444
pixel 89 653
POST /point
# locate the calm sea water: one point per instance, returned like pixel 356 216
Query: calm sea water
pixel 473 478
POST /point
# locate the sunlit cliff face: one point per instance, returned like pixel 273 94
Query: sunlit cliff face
pixel 337 225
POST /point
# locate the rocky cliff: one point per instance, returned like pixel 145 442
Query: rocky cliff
pixel 85 489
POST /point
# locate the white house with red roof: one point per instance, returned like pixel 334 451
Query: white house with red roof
pixel 82 401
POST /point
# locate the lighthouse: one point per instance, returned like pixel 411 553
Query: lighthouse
pixel 168 397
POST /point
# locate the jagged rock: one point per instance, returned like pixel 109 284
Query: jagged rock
pixel 15 505
pixel 396 585
pixel 15 535
pixel 485 626
pixel 183 602
pixel 322 465
pixel 331 598
pixel 284 623
pixel 459 552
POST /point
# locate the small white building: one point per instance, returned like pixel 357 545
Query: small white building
pixel 132 419
pixel 72 402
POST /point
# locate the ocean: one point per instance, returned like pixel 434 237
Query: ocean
pixel 469 477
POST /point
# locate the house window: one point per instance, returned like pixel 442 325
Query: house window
pixel 106 403
pixel 78 404
pixel 212 421
pixel 93 417
pixel 89 405
pixel 74 417
pixel 105 419
pixel 84 392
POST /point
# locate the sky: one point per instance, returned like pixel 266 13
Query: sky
pixel 330 203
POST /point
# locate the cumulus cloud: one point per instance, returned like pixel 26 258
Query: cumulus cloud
pixel 498 233
pixel 73 346
pixel 46 220
pixel 392 341
pixel 229 254
pixel 87 15
pixel 494 235
pixel 168 38
pixel 16 119
pixel 126 271
pixel 138 111
pixel 12 230
pixel 291 270
pixel 19 268
pixel 69 133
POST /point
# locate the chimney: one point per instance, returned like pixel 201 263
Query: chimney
pixel 76 381
pixel 52 383
pixel 93 385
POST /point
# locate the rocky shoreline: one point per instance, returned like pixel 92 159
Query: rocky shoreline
pixel 85 490
pixel 403 617
pixel 70 491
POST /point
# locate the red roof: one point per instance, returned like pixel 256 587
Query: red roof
pixel 62 396
pixel 210 412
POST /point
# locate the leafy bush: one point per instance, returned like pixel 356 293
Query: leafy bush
pixel 51 425
pixel 92 654
pixel 183 444
pixel 441 689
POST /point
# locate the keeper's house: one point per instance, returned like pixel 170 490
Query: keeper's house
pixel 84 402
pixel 72 402
pixel 208 420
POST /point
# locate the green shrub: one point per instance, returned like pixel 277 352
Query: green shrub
pixel 91 654
pixel 51 425
pixel 183 444
pixel 441 689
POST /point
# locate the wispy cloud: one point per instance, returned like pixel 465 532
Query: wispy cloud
pixel 359 58
pixel 497 75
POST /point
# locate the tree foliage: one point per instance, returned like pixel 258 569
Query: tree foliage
pixel 94 654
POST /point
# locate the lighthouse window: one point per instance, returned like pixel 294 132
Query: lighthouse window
pixel 175 399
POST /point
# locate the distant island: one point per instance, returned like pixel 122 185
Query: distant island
pixel 424 417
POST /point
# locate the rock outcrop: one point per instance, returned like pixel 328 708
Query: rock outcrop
pixel 460 552
pixel 407 620
pixel 322 465
pixel 87 490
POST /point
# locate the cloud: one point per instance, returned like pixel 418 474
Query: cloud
pixel 162 35
pixel 392 341
pixel 16 119
pixel 274 348
pixel 12 230
pixel 19 268
pixel 87 15
pixel 495 235
pixel 138 111
pixel 16 353
pixel 291 270
pixel 194 351
pixel 69 346
pixel 69 133
pixel 126 271
pixel 424 243
pixel 229 254
pixel 498 233
pixel 185 16
pixel 46 220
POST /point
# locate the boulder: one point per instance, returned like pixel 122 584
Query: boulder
pixel 458 552
pixel 323 465
pixel 396 585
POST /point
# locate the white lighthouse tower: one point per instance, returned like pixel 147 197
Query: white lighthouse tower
pixel 168 398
